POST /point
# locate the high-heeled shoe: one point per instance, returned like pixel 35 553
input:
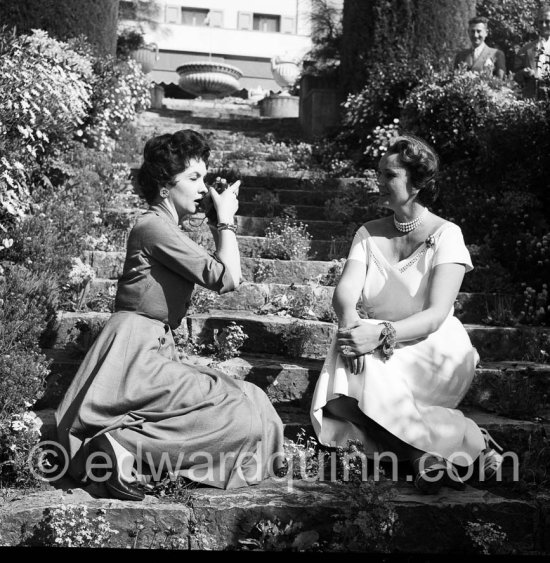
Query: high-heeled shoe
pixel 490 459
pixel 437 472
pixel 430 479
pixel 115 484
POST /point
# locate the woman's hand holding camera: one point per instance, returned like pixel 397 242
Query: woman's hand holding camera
pixel 222 202
pixel 225 201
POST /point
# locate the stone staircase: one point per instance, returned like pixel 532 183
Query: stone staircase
pixel 284 355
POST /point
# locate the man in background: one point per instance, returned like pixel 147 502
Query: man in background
pixel 532 62
pixel 481 58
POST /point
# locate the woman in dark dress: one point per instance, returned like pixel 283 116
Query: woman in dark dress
pixel 133 402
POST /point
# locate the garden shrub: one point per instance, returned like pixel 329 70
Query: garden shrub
pixel 380 101
pixel 67 525
pixel 451 110
pixel 495 149
pixel 44 98
pixel 127 41
pixel 28 303
pixel 354 203
pixel 19 438
pixel 370 117
pixel 121 91
pixel 286 239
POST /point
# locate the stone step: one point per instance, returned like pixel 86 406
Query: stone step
pixel 249 224
pixel 300 180
pixel 310 339
pixel 215 519
pixel 310 213
pixel 320 250
pixel 291 337
pixel 514 436
pixel 171 120
pixel 284 197
pixel 318 229
pixel 214 106
pixel 109 265
pixel 294 299
pixel 471 307
pixel 520 389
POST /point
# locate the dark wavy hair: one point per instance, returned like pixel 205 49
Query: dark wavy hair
pixel 422 163
pixel 479 19
pixel 165 156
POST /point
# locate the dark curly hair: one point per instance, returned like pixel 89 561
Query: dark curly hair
pixel 422 163
pixel 165 156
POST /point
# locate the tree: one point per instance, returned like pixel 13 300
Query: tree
pixel 375 31
pixel 64 19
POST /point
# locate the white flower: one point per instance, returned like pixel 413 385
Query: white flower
pixel 17 425
pixel 80 273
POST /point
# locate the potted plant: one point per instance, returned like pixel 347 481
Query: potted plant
pixel 131 44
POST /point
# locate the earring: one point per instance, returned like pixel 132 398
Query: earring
pixel 164 193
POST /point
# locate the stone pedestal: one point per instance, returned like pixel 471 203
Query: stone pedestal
pixel 278 105
pixel 157 96
pixel 319 107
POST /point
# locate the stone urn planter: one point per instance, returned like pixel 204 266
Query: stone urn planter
pixel 146 56
pixel 209 79
pixel 285 71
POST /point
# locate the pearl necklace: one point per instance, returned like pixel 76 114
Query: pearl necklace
pixel 409 226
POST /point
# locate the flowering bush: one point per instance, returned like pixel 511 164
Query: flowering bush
pixel 381 138
pixel 229 341
pixel 263 271
pixel 381 100
pixel 19 435
pixel 78 281
pixel 44 97
pixel 451 109
pixel 70 526
pixel 488 538
pixel 286 239
pixel 121 90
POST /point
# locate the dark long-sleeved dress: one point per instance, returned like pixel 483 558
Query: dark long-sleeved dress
pixel 174 416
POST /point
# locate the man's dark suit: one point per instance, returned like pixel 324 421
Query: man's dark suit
pixel 489 59
pixel 526 57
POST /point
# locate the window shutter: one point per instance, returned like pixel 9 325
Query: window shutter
pixel 288 25
pixel 173 14
pixel 245 20
pixel 216 18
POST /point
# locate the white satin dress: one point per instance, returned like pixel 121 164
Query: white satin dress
pixel 415 393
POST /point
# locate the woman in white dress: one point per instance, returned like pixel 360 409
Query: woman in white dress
pixel 399 366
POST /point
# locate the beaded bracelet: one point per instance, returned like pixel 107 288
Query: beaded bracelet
pixel 388 339
pixel 227 226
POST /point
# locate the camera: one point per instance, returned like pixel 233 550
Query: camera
pixel 207 205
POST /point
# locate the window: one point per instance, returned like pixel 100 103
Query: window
pixel 266 23
pixel 173 14
pixel 245 20
pixel 193 16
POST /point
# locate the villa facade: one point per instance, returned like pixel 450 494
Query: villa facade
pixel 244 33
